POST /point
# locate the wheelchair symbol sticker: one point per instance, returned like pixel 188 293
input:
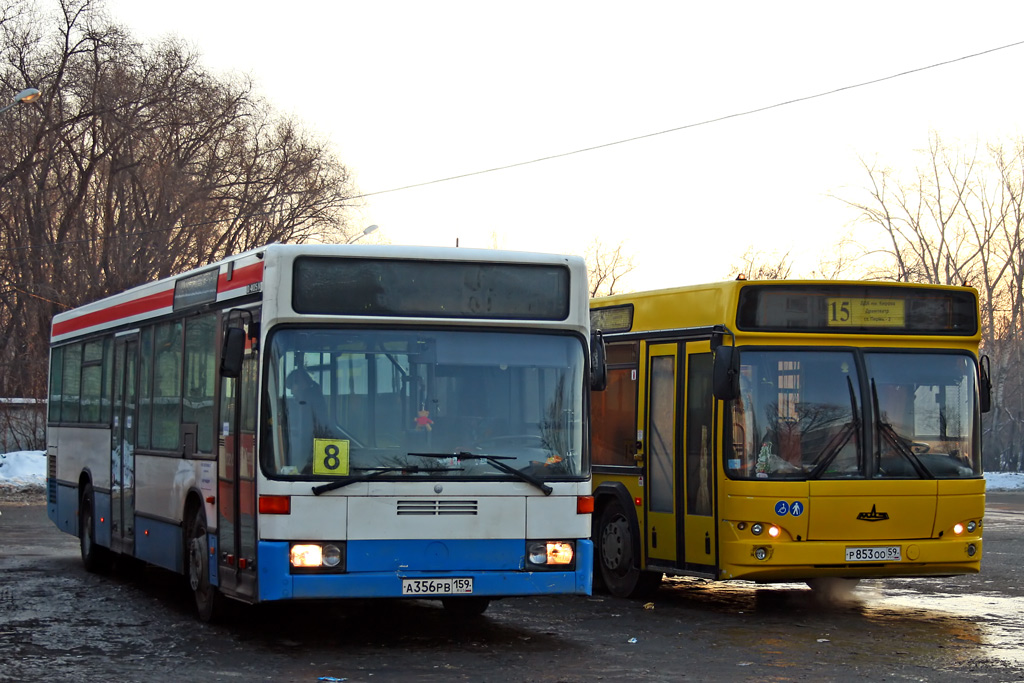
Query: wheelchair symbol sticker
pixel 781 508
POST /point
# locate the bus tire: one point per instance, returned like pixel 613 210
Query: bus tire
pixel 465 607
pixel 617 557
pixel 95 557
pixel 209 601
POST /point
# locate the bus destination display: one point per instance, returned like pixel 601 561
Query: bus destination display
pixel 849 308
pixel 865 312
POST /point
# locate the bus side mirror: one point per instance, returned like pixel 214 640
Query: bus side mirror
pixel 725 377
pixel 598 362
pixel 232 352
pixel 985 384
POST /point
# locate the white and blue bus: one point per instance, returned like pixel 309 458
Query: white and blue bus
pixel 333 421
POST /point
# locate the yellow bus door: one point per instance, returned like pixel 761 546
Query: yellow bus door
pixel 660 442
pixel 697 540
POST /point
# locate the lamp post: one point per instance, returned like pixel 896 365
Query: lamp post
pixel 364 233
pixel 26 95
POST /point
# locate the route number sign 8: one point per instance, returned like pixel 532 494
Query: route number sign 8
pixel 330 456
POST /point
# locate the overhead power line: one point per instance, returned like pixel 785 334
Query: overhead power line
pixel 687 126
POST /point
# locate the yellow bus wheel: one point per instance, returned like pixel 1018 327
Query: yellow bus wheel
pixel 618 556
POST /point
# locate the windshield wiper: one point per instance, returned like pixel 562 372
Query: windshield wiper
pixel 895 440
pixel 494 461
pixel 373 474
pixel 839 441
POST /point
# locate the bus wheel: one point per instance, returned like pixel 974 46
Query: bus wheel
pixel 617 556
pixel 208 598
pixel 95 558
pixel 465 607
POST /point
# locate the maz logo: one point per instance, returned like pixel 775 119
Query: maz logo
pixel 873 516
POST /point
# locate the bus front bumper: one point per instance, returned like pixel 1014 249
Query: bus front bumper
pixel 788 560
pixel 380 569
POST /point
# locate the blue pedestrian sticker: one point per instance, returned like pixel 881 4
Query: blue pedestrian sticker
pixel 781 508
pixel 796 508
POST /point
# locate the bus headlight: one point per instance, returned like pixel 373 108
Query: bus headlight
pixel 756 528
pixel 971 526
pixel 331 556
pixel 317 556
pixel 307 555
pixel 550 553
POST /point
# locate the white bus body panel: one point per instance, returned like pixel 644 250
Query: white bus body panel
pixel 162 482
pixel 396 511
pixel 81 449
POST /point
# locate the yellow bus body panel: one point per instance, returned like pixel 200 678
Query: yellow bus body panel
pixel 917 516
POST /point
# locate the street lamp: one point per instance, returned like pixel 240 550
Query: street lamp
pixel 26 95
pixel 364 233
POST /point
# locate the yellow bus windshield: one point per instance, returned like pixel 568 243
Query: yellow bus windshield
pixel 854 414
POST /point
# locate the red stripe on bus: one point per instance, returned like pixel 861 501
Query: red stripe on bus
pixel 241 277
pixel 146 304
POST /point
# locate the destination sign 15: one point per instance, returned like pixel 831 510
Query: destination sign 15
pixel 865 312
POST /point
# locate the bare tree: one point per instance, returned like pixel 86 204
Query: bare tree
pixel 605 268
pixel 958 221
pixel 757 265
pixel 135 163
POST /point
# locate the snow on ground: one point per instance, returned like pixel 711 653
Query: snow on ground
pixel 28 468
pixel 23 468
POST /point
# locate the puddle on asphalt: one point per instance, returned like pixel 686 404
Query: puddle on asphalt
pixel 999 619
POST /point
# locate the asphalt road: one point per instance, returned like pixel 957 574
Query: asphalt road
pixel 58 622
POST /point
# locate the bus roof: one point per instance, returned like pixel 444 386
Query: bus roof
pixel 791 306
pixel 243 274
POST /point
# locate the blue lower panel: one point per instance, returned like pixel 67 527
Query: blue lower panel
pixel 64 513
pixel 497 570
pixel 101 502
pixel 159 543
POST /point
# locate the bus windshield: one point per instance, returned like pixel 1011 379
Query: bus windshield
pixel 384 403
pixel 801 415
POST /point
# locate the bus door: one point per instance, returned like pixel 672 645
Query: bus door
pixel 697 537
pixel 122 444
pixel 660 436
pixel 236 479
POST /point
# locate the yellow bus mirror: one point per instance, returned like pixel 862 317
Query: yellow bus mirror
pixel 725 377
pixel 598 362
pixel 985 384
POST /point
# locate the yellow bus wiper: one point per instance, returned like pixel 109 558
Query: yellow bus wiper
pixel 376 472
pixel 494 461
pixel 839 441
pixel 895 440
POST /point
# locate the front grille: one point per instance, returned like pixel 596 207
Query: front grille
pixel 437 507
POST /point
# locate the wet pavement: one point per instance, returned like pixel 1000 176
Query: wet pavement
pixel 58 622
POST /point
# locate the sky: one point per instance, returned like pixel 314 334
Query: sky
pixel 409 93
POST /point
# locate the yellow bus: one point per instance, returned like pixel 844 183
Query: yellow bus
pixel 780 431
